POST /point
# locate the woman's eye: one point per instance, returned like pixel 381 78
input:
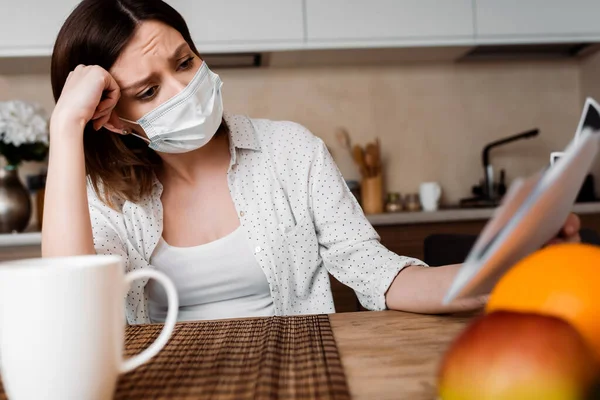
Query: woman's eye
pixel 187 64
pixel 149 94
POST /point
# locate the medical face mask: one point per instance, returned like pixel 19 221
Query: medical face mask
pixel 188 120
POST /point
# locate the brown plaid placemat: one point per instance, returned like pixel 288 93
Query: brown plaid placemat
pixel 264 358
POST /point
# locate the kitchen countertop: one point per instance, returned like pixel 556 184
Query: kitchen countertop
pixel 456 214
pixel 402 218
pixel 20 239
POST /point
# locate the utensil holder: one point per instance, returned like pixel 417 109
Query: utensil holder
pixel 372 194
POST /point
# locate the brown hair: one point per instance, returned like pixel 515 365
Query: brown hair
pixel 95 34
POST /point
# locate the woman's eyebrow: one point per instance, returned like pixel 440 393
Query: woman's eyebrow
pixel 138 84
pixel 181 49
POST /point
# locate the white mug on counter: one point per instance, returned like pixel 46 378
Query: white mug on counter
pixel 62 326
pixel 430 194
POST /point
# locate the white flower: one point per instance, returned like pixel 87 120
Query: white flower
pixel 22 122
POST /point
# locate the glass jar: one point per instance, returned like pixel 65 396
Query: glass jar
pixel 413 202
pixel 393 202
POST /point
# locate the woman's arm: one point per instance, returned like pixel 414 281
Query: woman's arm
pixel 90 93
pixel 421 289
pixel 67 229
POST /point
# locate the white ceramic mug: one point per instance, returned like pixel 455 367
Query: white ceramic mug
pixel 430 193
pixel 62 326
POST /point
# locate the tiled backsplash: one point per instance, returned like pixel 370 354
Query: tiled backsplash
pixel 432 119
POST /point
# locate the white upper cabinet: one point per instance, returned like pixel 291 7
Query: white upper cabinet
pixel 253 25
pixel 528 21
pixel 362 23
pixel 29 27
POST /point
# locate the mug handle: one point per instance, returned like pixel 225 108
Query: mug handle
pixel 438 192
pixel 173 302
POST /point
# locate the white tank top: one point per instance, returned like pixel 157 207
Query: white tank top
pixel 220 279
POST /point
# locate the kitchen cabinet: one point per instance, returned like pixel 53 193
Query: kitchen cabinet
pixel 242 25
pixel 20 252
pixel 30 27
pixel 529 21
pixel 361 23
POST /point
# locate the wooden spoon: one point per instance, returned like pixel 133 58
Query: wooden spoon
pixel 359 158
pixel 378 148
pixel 343 138
pixel 370 164
pixel 372 155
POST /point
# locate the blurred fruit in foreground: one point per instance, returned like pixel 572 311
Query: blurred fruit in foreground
pixel 516 356
pixel 594 393
pixel 560 280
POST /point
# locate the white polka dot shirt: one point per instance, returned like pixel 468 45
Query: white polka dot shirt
pixel 298 213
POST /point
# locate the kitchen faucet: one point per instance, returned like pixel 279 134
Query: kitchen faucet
pixel 488 190
pixel 488 193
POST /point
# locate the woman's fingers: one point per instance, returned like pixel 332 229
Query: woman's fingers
pixel 572 226
pixel 113 119
pixel 569 233
pixel 100 114
pixel 108 117
pixel 110 96
pixel 106 104
pixel 97 124
pixel 112 92
pixel 101 120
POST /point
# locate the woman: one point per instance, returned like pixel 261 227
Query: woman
pixel 245 216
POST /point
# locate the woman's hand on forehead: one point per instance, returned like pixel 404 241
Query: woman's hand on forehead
pixel 90 93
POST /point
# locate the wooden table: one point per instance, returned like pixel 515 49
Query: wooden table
pixel 393 355
pixel 390 354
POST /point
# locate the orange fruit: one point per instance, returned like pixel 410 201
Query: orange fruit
pixel 561 280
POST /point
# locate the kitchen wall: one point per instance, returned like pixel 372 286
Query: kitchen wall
pixel 590 77
pixel 433 119
pixel 590 87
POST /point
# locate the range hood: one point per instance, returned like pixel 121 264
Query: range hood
pixel 403 55
pixel 529 51
pixel 234 60
pixel 355 56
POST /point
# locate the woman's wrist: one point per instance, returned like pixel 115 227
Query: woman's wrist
pixel 64 126
pixel 66 147
pixel 421 290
